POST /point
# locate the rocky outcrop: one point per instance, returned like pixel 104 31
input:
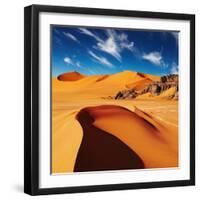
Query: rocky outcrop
pixel 169 78
pixel 157 88
pixel 126 94
pixel 154 88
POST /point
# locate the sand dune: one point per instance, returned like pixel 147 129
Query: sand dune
pixel 70 76
pixel 145 96
pixel 139 85
pixel 85 125
pixel 101 150
pixel 154 139
pixel 97 86
pixel 142 133
pixel 66 140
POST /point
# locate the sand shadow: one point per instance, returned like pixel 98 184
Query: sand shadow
pixel 100 150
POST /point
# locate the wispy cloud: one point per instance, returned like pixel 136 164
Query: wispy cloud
pixel 155 58
pixel 69 61
pixel 58 40
pixel 175 35
pixel 114 44
pixel 78 64
pixel 91 34
pixel 109 46
pixel 91 71
pixel 56 31
pixel 100 59
pixel 123 41
pixel 72 37
pixel 174 68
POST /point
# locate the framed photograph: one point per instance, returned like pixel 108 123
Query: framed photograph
pixel 109 100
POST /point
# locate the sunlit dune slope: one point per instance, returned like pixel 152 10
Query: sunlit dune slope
pixel 66 139
pixel 168 93
pixel 141 132
pixel 142 83
pixel 145 96
pixel 128 77
pixel 101 150
pixel 139 85
pixel 97 86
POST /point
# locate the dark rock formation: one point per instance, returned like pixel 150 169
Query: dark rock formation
pixel 159 87
pixel 126 94
pixel 169 78
pixel 155 88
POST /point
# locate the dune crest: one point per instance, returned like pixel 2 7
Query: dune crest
pixel 97 86
pixel 139 85
pixel 138 130
pixel 101 150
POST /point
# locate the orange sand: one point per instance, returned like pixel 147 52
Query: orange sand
pixel 70 76
pixel 148 126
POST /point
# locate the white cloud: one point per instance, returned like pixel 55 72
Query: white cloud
pixel 70 36
pixel 155 58
pixel 113 44
pixel 89 33
pixel 128 46
pixel 174 68
pixel 68 61
pixel 122 38
pixel 100 59
pixel 110 47
pixel 78 64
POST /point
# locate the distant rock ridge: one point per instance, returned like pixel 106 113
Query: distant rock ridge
pixel 155 88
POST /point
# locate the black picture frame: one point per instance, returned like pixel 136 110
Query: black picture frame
pixel 31 98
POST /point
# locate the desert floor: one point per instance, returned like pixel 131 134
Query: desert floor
pixel 150 130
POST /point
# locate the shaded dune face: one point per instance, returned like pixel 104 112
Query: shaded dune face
pixel 100 150
pixel 70 76
pixel 109 130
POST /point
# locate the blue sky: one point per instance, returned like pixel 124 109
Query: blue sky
pixel 106 51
